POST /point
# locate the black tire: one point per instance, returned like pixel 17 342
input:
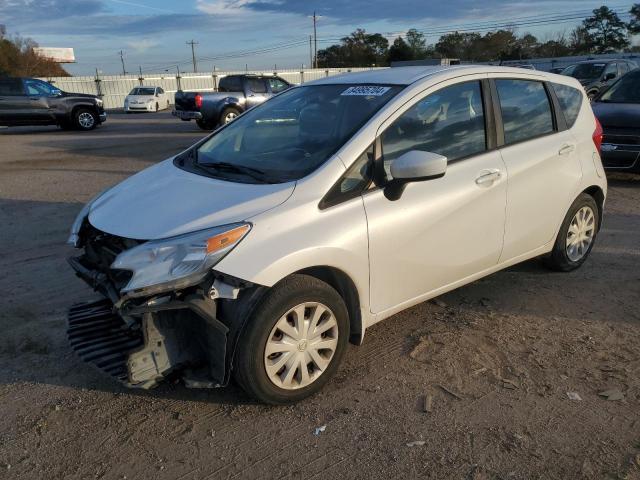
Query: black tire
pixel 81 119
pixel 205 125
pixel 559 259
pixel 250 371
pixel 226 113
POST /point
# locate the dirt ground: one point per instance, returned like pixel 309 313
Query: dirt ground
pixel 512 364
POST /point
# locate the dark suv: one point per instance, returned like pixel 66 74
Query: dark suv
pixel 29 101
pixel 596 75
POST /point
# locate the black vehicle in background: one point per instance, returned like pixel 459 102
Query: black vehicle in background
pixel 596 75
pixel 236 93
pixel 618 110
pixel 29 101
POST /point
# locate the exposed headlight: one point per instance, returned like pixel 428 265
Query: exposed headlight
pixel 178 262
pixel 74 239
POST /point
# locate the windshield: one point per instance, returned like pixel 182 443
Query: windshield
pixel 625 90
pixel 585 70
pixel 143 91
pixel 292 134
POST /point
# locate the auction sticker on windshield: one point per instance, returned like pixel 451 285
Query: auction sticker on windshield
pixel 366 90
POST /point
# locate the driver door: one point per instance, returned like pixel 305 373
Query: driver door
pixel 440 231
pixel 37 108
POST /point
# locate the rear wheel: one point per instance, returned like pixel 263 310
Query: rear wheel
pixel 577 235
pixel 293 342
pixel 85 119
pixel 228 115
pixel 205 125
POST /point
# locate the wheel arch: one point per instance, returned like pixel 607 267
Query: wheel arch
pixel 597 194
pixel 347 289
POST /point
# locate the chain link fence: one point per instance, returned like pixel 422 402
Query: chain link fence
pixel 114 88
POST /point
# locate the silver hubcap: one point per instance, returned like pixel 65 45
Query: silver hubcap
pixel 229 116
pixel 301 345
pixel 86 120
pixel 580 234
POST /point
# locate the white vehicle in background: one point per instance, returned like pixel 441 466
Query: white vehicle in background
pixel 265 248
pixel 146 99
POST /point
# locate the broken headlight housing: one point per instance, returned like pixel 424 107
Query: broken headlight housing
pixel 177 262
pixel 74 234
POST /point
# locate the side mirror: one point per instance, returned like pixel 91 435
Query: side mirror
pixel 414 166
pixel 56 92
pixel 609 76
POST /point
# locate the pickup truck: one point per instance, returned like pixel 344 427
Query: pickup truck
pixel 29 101
pixel 236 93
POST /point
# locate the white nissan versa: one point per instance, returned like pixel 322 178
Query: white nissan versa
pixel 263 249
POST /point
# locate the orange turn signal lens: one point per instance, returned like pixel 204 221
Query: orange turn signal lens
pixel 223 240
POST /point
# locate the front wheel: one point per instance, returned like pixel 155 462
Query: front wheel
pixel 294 341
pixel 577 235
pixel 85 119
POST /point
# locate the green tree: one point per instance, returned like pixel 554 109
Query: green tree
pixel 417 43
pixel 580 42
pixel 400 51
pixel 459 45
pixel 360 49
pixel 634 24
pixel 606 31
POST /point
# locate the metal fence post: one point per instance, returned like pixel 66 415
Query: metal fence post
pixel 326 73
pixel 98 85
pixel 302 74
pixel 178 77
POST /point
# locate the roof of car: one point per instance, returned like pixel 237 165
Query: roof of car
pixel 409 75
pixel 605 60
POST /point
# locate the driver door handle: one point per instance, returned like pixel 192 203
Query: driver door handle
pixel 487 177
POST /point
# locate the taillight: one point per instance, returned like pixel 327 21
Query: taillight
pixel 198 100
pixel 598 135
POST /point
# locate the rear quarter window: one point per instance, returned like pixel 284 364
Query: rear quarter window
pixel 570 102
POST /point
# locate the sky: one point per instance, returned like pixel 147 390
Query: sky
pixel 259 34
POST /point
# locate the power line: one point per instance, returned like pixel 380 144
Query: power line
pixel 532 20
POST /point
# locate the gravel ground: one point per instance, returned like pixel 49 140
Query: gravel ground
pixel 512 364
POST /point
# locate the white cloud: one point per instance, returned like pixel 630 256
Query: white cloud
pixel 142 45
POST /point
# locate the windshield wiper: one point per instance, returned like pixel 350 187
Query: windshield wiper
pixel 252 172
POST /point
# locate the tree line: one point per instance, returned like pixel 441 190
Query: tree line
pixel 18 59
pixel 603 32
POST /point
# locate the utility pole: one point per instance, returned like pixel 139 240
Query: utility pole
pixel 193 55
pixel 310 53
pixel 124 72
pixel 315 41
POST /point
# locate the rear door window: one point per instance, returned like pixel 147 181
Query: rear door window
pixel 570 102
pixel 230 84
pixel 257 85
pixel 526 110
pixel 277 85
pixel 11 87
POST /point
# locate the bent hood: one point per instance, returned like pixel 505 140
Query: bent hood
pixel 164 201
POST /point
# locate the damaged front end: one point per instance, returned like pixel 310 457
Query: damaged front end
pixel 186 328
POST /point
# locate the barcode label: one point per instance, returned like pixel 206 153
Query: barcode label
pixel 366 90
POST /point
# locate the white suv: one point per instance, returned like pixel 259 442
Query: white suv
pixel 263 249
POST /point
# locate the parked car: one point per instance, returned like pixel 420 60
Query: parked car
pixel 29 101
pixel 618 109
pixel 596 75
pixel 267 246
pixel 526 66
pixel 236 93
pixel 557 69
pixel 146 99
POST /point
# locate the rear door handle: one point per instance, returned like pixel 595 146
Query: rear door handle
pixel 487 177
pixel 566 149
